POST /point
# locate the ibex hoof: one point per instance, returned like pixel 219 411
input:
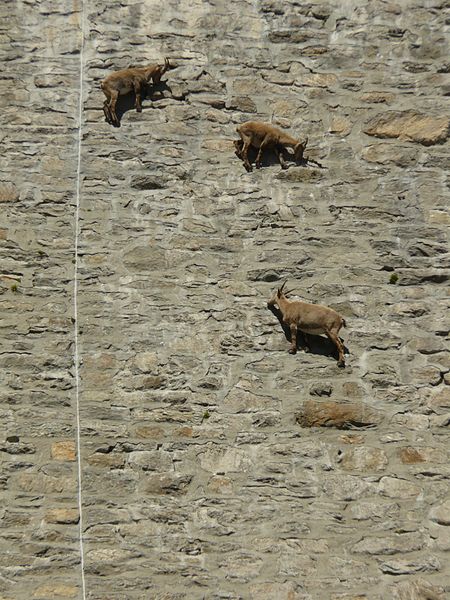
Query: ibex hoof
pixel 284 167
pixel 138 109
pixel 341 364
pixel 292 351
pixel 258 165
pixel 248 169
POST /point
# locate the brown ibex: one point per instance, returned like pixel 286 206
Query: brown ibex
pixel 309 318
pixel 127 80
pixel 264 136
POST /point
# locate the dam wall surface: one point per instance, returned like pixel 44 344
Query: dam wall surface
pixel 158 440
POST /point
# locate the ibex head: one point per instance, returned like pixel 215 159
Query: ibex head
pixel 299 149
pixel 159 71
pixel 280 293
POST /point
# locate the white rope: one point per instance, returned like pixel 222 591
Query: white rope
pixel 75 303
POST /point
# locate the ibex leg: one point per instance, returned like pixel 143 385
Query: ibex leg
pixel 259 155
pixel 334 337
pixel 293 348
pixel 247 164
pixel 107 111
pixel 112 107
pixel 238 145
pixel 137 92
pixel 280 153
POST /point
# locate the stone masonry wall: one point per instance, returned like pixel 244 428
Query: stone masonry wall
pixel 214 465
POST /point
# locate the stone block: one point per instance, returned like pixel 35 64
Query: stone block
pixel 387 545
pixel 8 192
pixel 217 460
pixel 363 459
pixel 49 591
pixel 243 104
pixel 409 125
pixel 275 591
pixel 419 589
pixel 390 153
pixel 337 414
pixel 399 566
pixel 393 487
pixel 441 513
pixel 62 516
pixel 377 97
pixel 64 451
pixel 340 126
pixel 165 483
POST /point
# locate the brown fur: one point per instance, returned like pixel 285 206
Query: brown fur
pixel 264 136
pixel 134 79
pixel 309 318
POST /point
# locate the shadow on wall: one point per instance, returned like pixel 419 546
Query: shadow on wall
pixel 128 101
pixel 317 344
pixel 269 158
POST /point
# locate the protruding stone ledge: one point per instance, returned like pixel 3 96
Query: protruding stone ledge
pixel 337 414
pixel 409 125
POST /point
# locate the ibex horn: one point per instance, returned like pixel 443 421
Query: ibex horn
pixel 281 288
pixel 289 291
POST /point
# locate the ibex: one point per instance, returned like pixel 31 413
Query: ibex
pixel 127 80
pixel 309 318
pixel 264 136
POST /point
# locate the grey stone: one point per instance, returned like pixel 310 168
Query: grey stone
pixel 405 542
pixel 406 567
pixel 419 589
pixel 392 487
pixel 363 459
pixel 441 513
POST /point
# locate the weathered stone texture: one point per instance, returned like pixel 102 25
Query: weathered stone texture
pixel 342 415
pixel 214 464
pixel 410 125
